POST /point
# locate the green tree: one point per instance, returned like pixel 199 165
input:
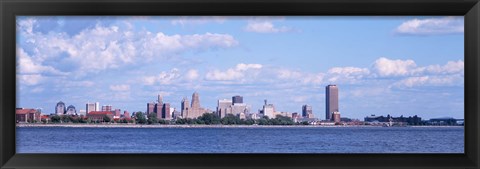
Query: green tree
pixel 55 119
pixel 230 119
pixel 152 118
pixel 140 118
pixel 209 118
pixel 106 118
pixel 180 121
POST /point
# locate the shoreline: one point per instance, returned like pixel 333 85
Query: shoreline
pixel 203 126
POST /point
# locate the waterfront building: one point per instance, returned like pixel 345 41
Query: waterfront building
pixel 176 114
pixel 336 116
pixel 82 112
pixel 331 94
pixel 159 109
pixel 237 99
pixel 150 108
pixel 195 109
pixel 60 108
pixel 107 108
pixel 307 111
pixel 91 107
pixel 97 106
pixel 185 107
pixel 238 108
pixel 224 107
pixel 23 115
pixel 166 114
pixel 116 113
pixel 98 115
pixel 71 110
pixel 268 110
pixel 126 114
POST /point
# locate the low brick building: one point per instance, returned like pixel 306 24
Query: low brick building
pixel 23 115
pixel 98 115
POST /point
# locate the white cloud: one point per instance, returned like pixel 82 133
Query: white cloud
pixel 31 79
pixel 237 73
pixel 27 66
pixel 450 68
pixel 264 27
pixel 346 74
pixel 432 26
pixel 163 77
pixel 106 47
pixel 120 88
pixel 449 80
pixel 388 67
pixel 191 74
pixel 26 25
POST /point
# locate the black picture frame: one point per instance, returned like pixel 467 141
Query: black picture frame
pixel 11 8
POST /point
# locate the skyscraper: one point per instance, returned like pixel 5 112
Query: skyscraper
pixel 331 100
pixel 237 99
pixel 307 111
pixel 97 106
pixel 268 110
pixel 90 107
pixel 195 109
pixel 60 109
pixel 150 108
pixel 166 112
pixel 224 107
pixel 185 107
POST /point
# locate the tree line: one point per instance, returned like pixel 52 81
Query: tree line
pixel 205 119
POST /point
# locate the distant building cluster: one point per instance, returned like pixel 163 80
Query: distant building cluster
pixel 234 106
pixel 162 110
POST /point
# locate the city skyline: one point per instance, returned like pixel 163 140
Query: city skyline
pixel 387 65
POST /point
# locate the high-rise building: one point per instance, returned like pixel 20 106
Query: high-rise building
pixel 185 107
pixel 71 110
pixel 90 107
pixel 331 93
pixel 195 109
pixel 150 108
pixel 107 108
pixel 224 107
pixel 97 106
pixel 307 111
pixel 158 109
pixel 60 108
pixel 126 114
pixel 166 114
pixel 268 110
pixel 237 99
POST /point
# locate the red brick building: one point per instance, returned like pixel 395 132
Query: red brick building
pixel 98 115
pixel 23 115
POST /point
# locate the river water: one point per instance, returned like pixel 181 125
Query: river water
pixel 241 140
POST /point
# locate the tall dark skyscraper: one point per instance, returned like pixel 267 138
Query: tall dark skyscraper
pixel 237 99
pixel 331 93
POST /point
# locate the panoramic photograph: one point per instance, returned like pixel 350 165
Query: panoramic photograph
pixel 240 84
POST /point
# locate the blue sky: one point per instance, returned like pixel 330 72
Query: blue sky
pixel 382 65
